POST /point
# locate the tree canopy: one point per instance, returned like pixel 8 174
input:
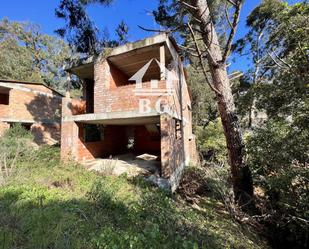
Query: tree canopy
pixel 82 34
pixel 29 55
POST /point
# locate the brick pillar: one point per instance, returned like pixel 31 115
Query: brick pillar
pixel 166 145
pixel 101 83
pixel 69 132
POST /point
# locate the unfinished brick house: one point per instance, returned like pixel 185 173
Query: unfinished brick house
pixel 35 106
pixel 135 99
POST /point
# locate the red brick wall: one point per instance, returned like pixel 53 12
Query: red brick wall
pixel 29 106
pixel 117 78
pixel 4 109
pixel 114 143
pixel 123 98
pixel 77 106
pixel 46 133
pixel 172 150
pixel 41 110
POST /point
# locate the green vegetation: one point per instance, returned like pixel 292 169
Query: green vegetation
pixel 47 204
pixel 211 141
pixel 27 54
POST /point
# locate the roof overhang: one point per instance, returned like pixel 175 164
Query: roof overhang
pixel 130 57
pixel 11 83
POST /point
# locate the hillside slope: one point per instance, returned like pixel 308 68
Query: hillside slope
pixel 46 204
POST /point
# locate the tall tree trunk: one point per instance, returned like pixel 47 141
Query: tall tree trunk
pixel 241 175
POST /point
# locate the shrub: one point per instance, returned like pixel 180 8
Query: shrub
pixel 278 156
pixel 15 144
pixel 211 141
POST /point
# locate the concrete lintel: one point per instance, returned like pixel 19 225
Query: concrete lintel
pixel 121 117
pixel 28 121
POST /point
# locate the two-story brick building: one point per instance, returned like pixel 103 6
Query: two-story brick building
pixel 136 99
pixel 34 105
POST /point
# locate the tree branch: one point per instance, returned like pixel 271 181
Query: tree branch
pixel 201 61
pixel 233 31
pixel 231 2
pixel 188 5
pixel 159 30
pixel 188 50
pixel 227 17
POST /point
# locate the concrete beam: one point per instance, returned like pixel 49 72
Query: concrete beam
pixel 28 121
pixel 157 39
pixel 120 118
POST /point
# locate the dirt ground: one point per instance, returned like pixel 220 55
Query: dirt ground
pixel 144 164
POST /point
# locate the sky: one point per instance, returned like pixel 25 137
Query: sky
pixel 133 12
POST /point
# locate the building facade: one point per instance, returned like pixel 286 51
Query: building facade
pixel 35 106
pixel 135 98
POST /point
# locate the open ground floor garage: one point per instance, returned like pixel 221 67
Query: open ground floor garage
pixel 153 145
pixel 130 148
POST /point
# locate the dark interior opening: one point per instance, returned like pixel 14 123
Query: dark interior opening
pixel 26 126
pixel 4 96
pixel 123 142
pixel 89 95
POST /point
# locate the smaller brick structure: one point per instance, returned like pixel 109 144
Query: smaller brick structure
pixel 135 100
pixel 35 106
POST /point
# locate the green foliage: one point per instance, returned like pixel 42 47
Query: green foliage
pixel 278 151
pixel 277 145
pixel 53 205
pixel 28 55
pixel 16 62
pixel 278 155
pixel 277 41
pixel 81 33
pixel 211 141
pixel 204 107
pixel 14 143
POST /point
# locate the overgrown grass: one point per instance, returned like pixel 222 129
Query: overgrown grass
pixel 47 204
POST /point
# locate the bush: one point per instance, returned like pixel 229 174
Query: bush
pixel 211 141
pixel 278 156
pixel 15 145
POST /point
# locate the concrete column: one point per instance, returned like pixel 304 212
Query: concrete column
pixel 162 62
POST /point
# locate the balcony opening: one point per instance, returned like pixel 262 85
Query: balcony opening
pixel 144 60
